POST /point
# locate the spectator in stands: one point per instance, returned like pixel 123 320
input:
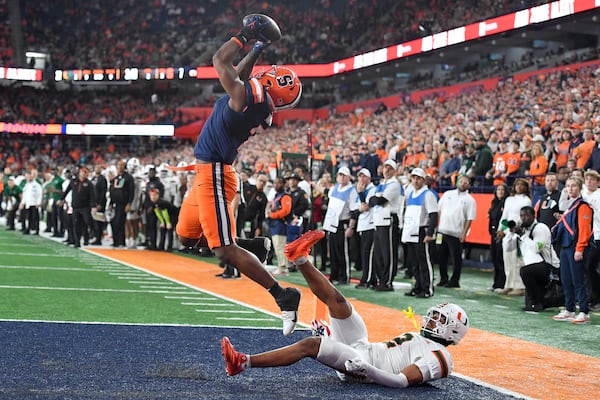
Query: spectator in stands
pixel 482 164
pixel 498 173
pixel 538 168
pixel 583 151
pixel 594 161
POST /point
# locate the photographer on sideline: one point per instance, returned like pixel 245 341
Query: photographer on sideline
pixel 533 241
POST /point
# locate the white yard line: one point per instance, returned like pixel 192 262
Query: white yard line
pixel 91 289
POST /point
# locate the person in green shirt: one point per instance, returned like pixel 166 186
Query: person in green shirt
pixel 53 191
pixel 11 196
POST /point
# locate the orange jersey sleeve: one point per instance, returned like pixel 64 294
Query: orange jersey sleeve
pixel 285 210
pixel 584 225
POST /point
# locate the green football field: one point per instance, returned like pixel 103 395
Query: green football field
pixel 48 281
pixel 45 280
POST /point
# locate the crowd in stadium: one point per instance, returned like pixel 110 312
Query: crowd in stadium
pixel 161 33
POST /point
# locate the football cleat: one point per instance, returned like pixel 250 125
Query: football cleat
pixel 234 360
pixel 288 302
pixel 301 246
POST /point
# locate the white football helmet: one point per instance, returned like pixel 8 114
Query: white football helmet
pixel 133 165
pixel 445 323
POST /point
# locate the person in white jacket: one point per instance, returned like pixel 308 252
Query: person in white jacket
pixel 30 204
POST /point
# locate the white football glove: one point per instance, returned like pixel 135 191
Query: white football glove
pixel 356 366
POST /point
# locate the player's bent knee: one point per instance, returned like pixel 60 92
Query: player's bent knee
pixel 310 346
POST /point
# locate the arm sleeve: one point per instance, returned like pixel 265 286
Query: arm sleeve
pixel 165 214
pixel 377 201
pixel 584 225
pixel 385 378
pixel 67 190
pixel 285 210
pixel 159 215
pixel 432 222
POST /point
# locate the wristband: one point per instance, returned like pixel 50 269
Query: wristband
pixel 238 41
pixel 240 38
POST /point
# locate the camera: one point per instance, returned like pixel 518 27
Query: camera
pixel 511 224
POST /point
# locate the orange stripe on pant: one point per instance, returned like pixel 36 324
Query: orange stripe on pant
pixel 207 209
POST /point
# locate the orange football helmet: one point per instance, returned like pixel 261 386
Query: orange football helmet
pixel 283 86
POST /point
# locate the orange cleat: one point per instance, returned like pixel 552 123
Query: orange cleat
pixel 301 246
pixel 234 360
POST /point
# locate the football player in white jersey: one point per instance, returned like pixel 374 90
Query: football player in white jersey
pixel 406 360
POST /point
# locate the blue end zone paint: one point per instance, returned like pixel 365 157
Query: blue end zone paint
pixel 87 361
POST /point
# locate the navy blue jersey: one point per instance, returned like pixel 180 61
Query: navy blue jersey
pixel 225 130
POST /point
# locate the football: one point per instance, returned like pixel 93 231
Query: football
pixel 270 31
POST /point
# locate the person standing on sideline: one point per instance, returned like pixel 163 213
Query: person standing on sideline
pixel 99 217
pixel 574 231
pixel 592 259
pixel 84 200
pixel 546 208
pixel 457 212
pixel 361 221
pixel 55 192
pixel 11 195
pixel 121 197
pixel 420 222
pixel 278 213
pixel 206 215
pixel 31 201
pixel 520 197
pixel 385 203
pixel 495 215
pixel 336 222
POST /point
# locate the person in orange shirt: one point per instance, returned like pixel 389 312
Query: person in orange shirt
pixel 583 152
pixel 561 150
pixel 537 171
pixel 499 169
pixel 513 162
